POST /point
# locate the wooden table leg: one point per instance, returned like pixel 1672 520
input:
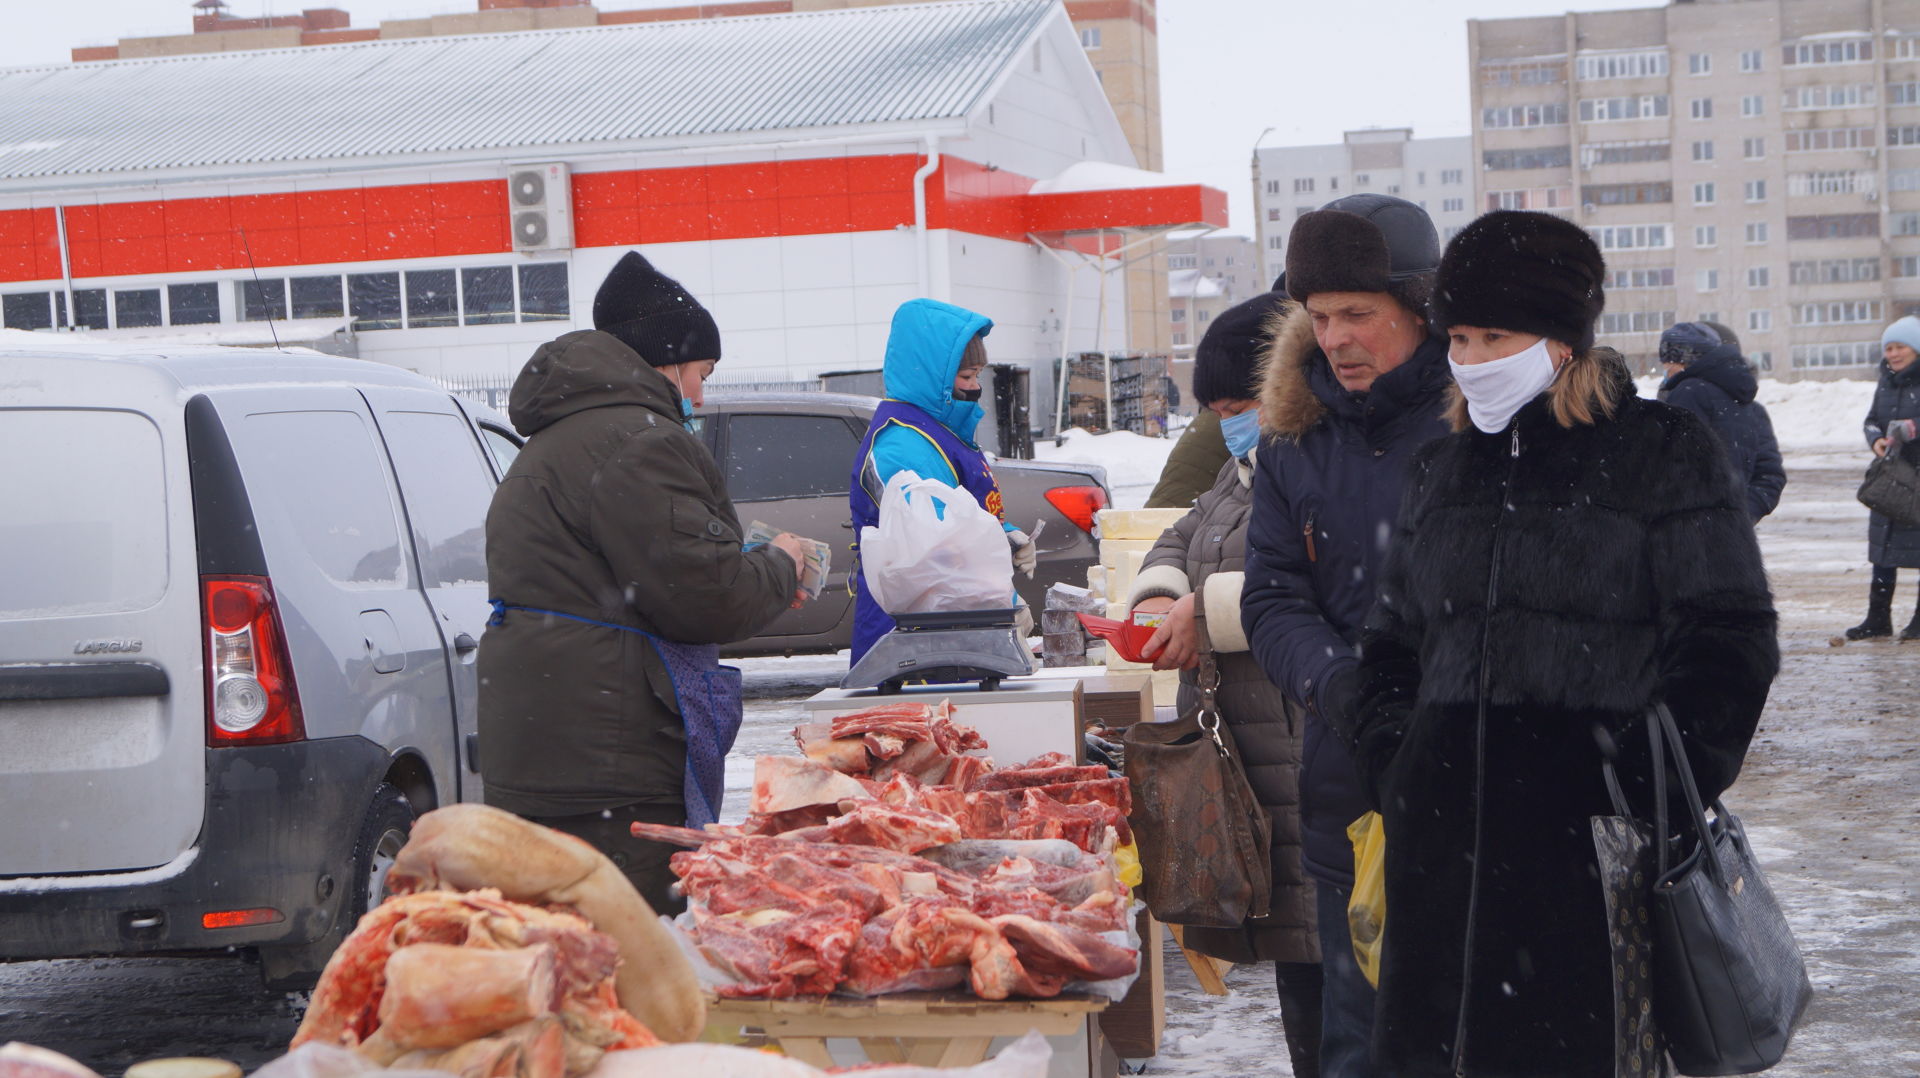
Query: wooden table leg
pixel 948 1051
pixel 883 1050
pixel 1211 972
pixel 811 1050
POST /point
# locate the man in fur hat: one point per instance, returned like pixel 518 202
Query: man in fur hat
pixel 1354 384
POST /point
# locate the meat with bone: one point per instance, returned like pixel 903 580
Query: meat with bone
pixel 536 1048
pixel 891 827
pixel 966 770
pixel 786 783
pixel 1018 778
pixel 1046 947
pixel 778 955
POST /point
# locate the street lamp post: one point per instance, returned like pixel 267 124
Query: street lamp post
pixel 1259 218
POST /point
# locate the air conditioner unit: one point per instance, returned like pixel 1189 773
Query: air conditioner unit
pixel 1873 196
pixel 1588 207
pixel 540 207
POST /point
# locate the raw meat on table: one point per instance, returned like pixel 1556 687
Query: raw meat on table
pixel 467 847
pixel 786 783
pixel 385 1004
pixel 18 1060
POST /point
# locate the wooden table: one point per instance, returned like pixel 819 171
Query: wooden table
pixel 927 1029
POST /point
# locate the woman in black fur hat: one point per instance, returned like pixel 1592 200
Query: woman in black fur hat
pixel 1570 556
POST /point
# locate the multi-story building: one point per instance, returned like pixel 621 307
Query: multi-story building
pixel 1753 162
pixel 1289 181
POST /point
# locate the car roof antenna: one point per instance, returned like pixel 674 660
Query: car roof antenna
pixel 248 247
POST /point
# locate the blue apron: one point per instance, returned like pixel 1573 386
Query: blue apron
pixel 971 474
pixel 707 696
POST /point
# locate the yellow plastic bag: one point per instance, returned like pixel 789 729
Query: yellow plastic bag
pixel 1367 909
pixel 1126 862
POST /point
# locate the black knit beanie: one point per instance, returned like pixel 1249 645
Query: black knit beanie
pixel 650 313
pixel 1523 271
pixel 1226 363
pixel 1363 243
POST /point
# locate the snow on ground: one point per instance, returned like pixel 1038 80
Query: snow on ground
pixel 1807 416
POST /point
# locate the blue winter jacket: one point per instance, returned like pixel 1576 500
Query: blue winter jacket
pixel 1719 387
pixel 1326 491
pixel 923 356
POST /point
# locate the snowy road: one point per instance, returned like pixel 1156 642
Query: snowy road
pixel 1829 793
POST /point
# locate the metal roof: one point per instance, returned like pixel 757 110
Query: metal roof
pixel 511 92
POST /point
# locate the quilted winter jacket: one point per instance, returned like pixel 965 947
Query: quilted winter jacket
pixel 1205 552
pixel 614 512
pixel 1897 397
pixel 1325 493
pixel 1719 388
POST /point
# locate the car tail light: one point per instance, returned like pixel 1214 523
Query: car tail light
pixel 250 693
pixel 1078 504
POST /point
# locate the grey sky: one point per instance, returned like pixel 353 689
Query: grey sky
pixel 1309 69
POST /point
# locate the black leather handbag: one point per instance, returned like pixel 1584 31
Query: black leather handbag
pixel 1892 488
pixel 1728 983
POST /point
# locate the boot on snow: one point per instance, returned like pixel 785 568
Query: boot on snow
pixel 1879 623
pixel 1878 626
pixel 1912 631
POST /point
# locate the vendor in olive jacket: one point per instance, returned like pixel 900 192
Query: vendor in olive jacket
pixel 616 560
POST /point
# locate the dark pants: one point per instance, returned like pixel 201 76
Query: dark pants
pixel 1346 1029
pixel 643 862
pixel 1300 985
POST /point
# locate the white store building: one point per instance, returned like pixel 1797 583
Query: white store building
pixel 445 204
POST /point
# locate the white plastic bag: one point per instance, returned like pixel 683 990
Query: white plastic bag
pixel 935 550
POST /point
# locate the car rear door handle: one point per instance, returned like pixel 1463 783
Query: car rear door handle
pixel 464 643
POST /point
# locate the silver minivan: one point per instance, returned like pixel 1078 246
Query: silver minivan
pixel 240 595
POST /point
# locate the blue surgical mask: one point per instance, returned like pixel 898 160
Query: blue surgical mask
pixel 1242 432
pixel 686 416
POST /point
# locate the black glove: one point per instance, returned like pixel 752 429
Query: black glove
pixel 1338 702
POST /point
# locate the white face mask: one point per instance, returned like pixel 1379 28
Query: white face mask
pixel 1495 390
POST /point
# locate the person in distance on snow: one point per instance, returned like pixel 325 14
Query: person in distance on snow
pixel 1707 375
pixel 616 559
pixel 1196 573
pixel 1890 428
pixel 1355 382
pixel 935 353
pixel 1570 556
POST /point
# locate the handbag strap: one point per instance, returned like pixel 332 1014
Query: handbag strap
pixel 1208 683
pixel 1660 726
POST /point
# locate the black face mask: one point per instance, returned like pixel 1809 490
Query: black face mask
pixel 966 395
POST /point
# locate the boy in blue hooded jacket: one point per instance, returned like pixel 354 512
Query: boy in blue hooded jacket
pixel 935 353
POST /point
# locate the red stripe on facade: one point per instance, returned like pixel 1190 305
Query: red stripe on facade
pixel 697 203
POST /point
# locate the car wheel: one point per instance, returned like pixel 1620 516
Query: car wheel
pixel 383 831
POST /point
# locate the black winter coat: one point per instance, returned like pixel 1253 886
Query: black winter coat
pixel 1897 397
pixel 1545 586
pixel 1325 491
pixel 1719 388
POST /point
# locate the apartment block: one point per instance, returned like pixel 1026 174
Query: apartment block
pixel 1752 162
pixel 1289 181
pixel 1206 275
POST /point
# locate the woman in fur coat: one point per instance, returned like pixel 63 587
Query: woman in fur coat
pixel 1569 557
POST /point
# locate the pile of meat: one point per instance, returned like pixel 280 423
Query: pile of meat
pixel 452 974
pixel 887 860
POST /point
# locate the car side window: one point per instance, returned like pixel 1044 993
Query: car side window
pixel 325 474
pixel 502 445
pixel 447 489
pixel 788 456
